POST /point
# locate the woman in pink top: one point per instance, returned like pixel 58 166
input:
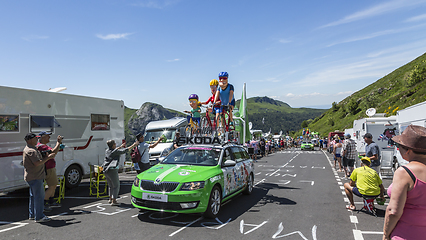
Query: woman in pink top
pixel 406 213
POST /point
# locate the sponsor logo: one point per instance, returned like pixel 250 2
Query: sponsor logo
pixel 198 140
pixel 154 197
pixel 184 173
pixel 215 178
pixel 157 181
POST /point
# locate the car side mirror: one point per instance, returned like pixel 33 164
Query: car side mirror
pixel 229 163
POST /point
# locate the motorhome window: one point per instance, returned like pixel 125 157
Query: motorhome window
pixel 9 123
pixel 154 135
pixel 43 123
pixel 100 122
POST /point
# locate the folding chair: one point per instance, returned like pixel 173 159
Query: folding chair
pixel 96 178
pixel 368 205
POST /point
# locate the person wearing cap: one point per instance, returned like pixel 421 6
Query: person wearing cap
pixel 405 216
pixel 372 151
pixel 348 154
pixel 34 175
pixel 364 182
pixel 50 168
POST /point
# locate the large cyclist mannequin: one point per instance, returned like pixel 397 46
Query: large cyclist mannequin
pixel 217 110
pixel 225 94
pixel 196 110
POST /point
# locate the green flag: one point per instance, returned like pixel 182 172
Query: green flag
pixel 243 114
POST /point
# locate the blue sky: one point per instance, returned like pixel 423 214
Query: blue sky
pixel 306 53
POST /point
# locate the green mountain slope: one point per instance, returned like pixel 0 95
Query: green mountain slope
pixel 278 115
pixel 401 88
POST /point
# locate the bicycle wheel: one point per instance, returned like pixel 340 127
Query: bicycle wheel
pixel 188 131
pixel 205 126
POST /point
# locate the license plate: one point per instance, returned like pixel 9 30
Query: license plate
pixel 154 197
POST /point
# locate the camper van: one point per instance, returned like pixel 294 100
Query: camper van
pixel 156 129
pixel 85 122
pixel 383 129
pixel 413 115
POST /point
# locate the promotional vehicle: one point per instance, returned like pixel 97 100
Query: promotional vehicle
pixel 85 122
pixel 307 146
pixel 195 178
pixel 166 128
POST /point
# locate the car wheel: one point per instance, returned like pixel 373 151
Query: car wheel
pixel 73 176
pixel 249 187
pixel 215 200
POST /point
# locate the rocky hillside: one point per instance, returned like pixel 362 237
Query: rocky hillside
pixel 137 119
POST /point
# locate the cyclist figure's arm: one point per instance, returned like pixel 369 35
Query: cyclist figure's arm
pixel 216 98
pixel 231 96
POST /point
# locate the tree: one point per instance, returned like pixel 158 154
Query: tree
pixel 304 124
pixel 352 106
pixel 334 107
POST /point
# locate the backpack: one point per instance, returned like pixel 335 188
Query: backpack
pixel 135 155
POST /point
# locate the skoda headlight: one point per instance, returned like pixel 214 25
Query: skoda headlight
pixel 189 186
pixel 136 182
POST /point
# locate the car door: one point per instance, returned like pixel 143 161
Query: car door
pixel 229 173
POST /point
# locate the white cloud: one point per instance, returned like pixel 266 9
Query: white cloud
pixel 267 80
pixel 35 37
pixel 174 60
pixel 378 34
pixel 375 11
pixel 284 41
pixel 416 18
pixel 345 93
pixel 113 36
pixel 158 4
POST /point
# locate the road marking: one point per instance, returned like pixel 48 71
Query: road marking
pixel 354 219
pixel 280 229
pixel 318 167
pixel 291 175
pixel 189 224
pixel 342 187
pixel 358 234
pixel 17 225
pixel 343 193
pixel 312 182
pixel 251 225
pixel 221 224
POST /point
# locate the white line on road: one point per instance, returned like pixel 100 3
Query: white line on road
pixel 354 219
pixel 189 224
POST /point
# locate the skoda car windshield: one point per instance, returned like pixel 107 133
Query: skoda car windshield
pixel 202 156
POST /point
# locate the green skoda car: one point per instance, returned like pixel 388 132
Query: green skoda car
pixel 195 178
pixel 307 146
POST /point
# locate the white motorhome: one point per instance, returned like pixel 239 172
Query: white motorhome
pixel 382 129
pixel 413 115
pixel 85 122
pixel 168 128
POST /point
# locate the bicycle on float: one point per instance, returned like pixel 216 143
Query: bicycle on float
pixel 208 126
pixel 192 129
pixel 224 120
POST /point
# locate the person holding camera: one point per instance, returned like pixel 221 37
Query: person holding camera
pixel 50 168
pixel 34 175
pixel 111 166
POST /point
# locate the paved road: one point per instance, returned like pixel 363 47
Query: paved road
pixel 297 195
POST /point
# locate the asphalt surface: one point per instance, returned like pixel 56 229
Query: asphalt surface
pixel 297 195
